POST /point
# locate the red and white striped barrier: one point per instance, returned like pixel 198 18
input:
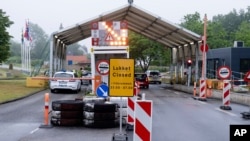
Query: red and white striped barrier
pixel 203 85
pixel 143 120
pixel 131 108
pixel 226 96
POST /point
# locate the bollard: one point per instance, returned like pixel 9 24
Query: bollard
pixel 143 96
pixel 194 89
pixel 209 91
pixel 226 96
pixel 46 112
pixel 143 120
pixel 46 109
pixel 130 108
pixel 202 96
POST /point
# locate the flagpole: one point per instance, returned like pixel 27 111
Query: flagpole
pixel 29 58
pixel 22 55
pixel 25 57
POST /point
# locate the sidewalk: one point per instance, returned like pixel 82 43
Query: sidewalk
pixel 242 98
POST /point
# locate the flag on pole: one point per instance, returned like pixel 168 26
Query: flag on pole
pixel 27 33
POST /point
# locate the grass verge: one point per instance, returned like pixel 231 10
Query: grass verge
pixel 14 89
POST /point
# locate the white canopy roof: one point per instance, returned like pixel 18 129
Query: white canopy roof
pixel 139 21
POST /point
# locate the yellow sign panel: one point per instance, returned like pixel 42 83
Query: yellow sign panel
pixel 121 77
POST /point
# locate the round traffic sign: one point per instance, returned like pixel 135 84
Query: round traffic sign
pixel 224 72
pixel 202 48
pixel 102 90
pixel 103 67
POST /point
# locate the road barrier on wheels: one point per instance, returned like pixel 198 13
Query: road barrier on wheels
pixel 226 96
pixel 46 111
pixel 131 108
pixel 202 95
pixel 143 120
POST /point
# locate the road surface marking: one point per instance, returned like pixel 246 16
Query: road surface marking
pixel 229 113
pixel 177 93
pixel 33 131
pixel 202 102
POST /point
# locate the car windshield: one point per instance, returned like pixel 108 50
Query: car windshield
pixel 154 73
pixel 63 75
pixel 140 76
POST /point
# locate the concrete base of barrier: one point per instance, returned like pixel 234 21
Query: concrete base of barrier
pixel 225 107
pixel 202 99
pixel 119 137
pixel 195 97
pixel 246 115
pixel 129 127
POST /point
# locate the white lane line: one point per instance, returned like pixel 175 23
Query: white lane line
pixel 176 93
pixel 229 113
pixel 33 131
pixel 202 102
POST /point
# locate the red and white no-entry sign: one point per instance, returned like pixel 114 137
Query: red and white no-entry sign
pixel 224 72
pixel 102 67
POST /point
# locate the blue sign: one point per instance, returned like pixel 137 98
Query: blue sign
pixel 102 90
pixel 70 62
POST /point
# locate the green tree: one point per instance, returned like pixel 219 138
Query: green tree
pixel 39 42
pixel 193 22
pixel 216 35
pixel 144 50
pixel 15 49
pixel 243 33
pixel 4 36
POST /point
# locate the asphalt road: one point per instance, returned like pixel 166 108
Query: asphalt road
pixel 176 117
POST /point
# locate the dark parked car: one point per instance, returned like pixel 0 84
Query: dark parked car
pixel 142 79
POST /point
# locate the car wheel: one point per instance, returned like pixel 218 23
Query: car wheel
pixel 66 122
pixel 52 91
pixel 67 114
pixel 67 105
pixel 146 87
pixel 101 123
pixel 100 115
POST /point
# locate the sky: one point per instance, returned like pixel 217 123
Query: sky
pixel 49 14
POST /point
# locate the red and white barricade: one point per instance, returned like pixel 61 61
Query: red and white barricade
pixel 226 95
pixel 203 85
pixel 143 120
pixel 131 108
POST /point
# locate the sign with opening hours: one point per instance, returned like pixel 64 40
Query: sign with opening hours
pixel 121 77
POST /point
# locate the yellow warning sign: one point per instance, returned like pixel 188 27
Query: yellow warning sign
pixel 121 77
pixel 109 37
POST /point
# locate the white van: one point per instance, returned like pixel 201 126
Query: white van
pixel 154 76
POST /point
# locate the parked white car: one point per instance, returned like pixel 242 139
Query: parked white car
pixel 65 80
